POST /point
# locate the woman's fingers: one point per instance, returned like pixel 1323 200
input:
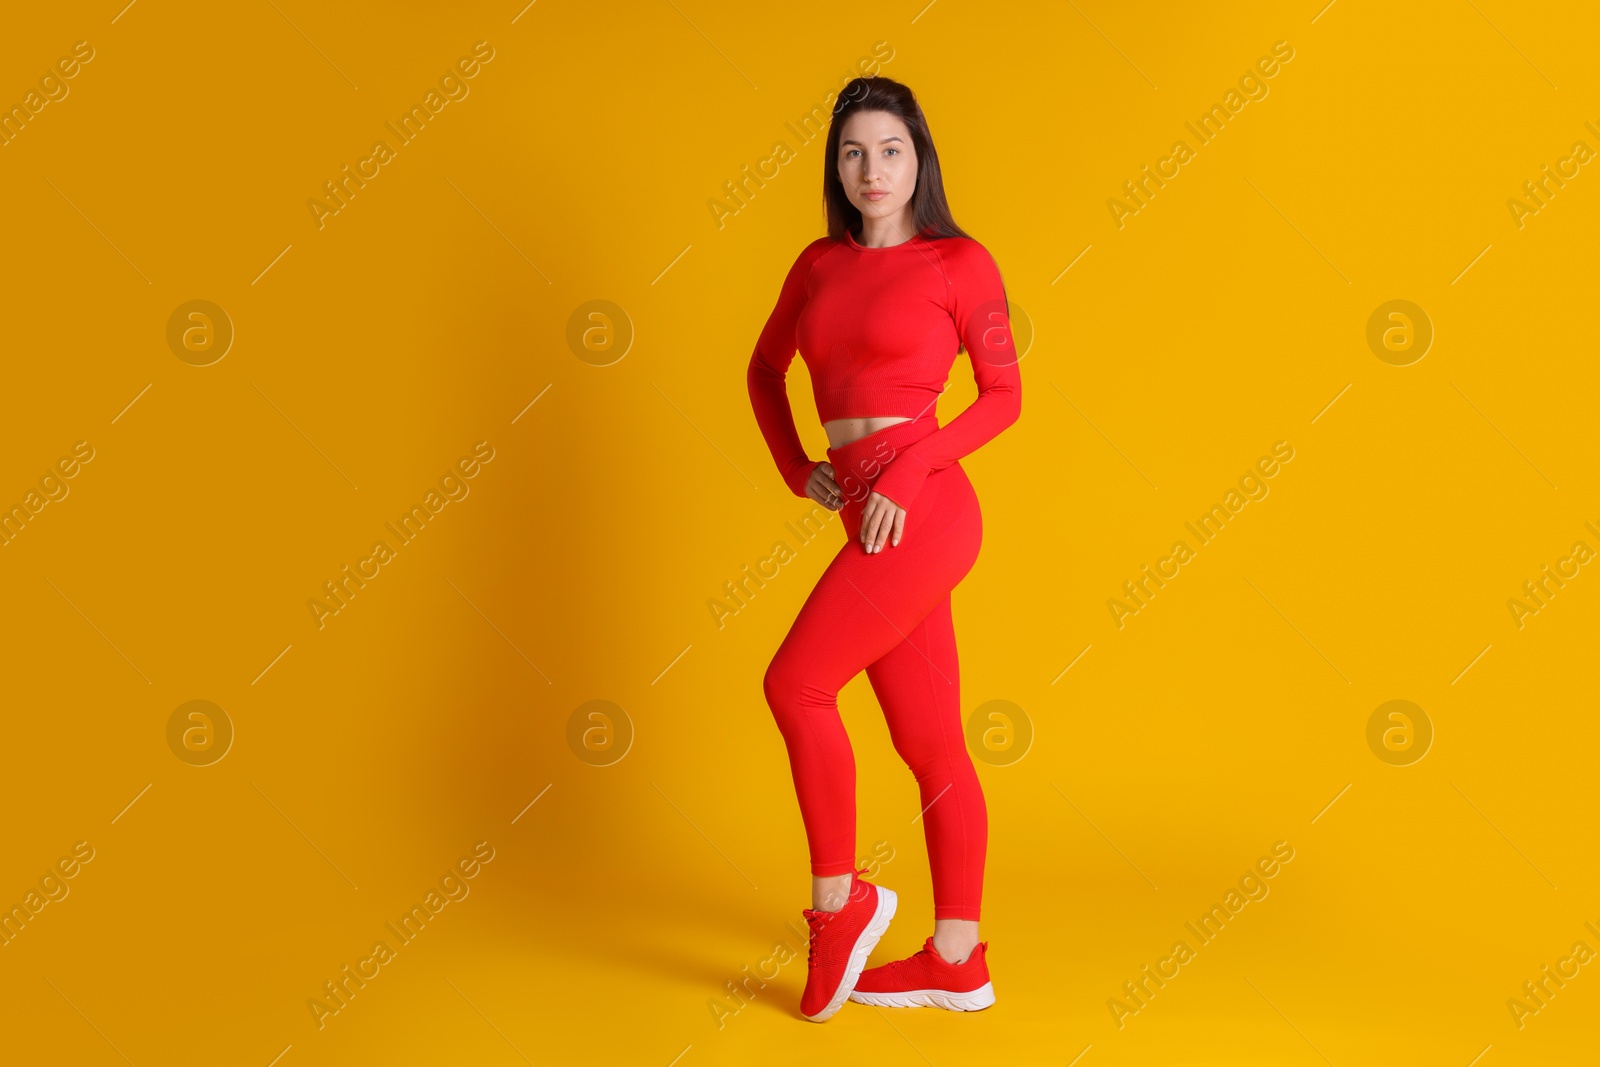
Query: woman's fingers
pixel 831 488
pixel 822 489
pixel 884 525
pixel 836 499
pixel 869 524
pixel 881 518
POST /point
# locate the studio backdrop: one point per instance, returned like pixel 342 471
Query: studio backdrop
pixel 392 560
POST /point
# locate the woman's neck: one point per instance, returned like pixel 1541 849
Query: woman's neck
pixel 884 232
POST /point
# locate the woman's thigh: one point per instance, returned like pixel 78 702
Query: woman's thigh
pixel 866 604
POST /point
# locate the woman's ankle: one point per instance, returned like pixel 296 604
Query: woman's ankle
pixel 829 892
pixel 955 953
pixel 955 939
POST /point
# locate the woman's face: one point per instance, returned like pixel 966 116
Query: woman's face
pixel 876 157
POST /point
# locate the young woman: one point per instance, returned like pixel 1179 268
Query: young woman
pixel 879 310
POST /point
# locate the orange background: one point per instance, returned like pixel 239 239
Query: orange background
pixel 628 482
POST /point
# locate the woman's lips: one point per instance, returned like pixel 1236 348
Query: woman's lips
pixel 875 195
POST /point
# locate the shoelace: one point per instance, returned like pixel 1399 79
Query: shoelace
pixel 817 920
pixel 897 966
pixel 918 963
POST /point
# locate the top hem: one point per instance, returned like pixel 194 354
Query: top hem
pixel 873 404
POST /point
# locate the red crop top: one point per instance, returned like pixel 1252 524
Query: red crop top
pixel 879 329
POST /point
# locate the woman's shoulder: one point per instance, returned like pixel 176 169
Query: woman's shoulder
pixel 811 253
pixel 966 248
pixel 800 269
pixel 966 260
pixel 819 248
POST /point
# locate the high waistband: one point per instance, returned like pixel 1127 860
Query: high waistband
pixel 857 464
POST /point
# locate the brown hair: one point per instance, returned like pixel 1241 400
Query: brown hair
pixel 930 211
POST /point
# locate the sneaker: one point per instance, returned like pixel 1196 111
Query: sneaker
pixel 927 980
pixel 840 943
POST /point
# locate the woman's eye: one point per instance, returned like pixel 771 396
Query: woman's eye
pixel 892 150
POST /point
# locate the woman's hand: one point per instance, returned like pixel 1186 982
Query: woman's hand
pixel 822 488
pixel 882 519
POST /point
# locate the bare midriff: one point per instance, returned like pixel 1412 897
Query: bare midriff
pixel 842 431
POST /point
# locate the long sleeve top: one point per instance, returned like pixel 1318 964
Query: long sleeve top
pixel 879 329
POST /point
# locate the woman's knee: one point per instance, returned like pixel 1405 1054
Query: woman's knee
pixel 930 758
pixel 787 685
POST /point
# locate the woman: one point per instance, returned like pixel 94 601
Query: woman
pixel 878 310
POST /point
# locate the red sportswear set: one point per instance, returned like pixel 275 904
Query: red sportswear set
pixel 879 330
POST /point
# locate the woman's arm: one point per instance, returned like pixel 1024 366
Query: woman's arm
pixel 978 305
pixel 769 363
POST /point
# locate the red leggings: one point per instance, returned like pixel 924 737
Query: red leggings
pixel 888 613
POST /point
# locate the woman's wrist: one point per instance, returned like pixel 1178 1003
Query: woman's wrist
pixel 903 479
pixel 799 475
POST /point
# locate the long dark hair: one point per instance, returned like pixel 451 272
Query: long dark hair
pixel 930 211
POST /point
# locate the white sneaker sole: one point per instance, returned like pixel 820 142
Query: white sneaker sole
pixel 887 902
pixel 976 1000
